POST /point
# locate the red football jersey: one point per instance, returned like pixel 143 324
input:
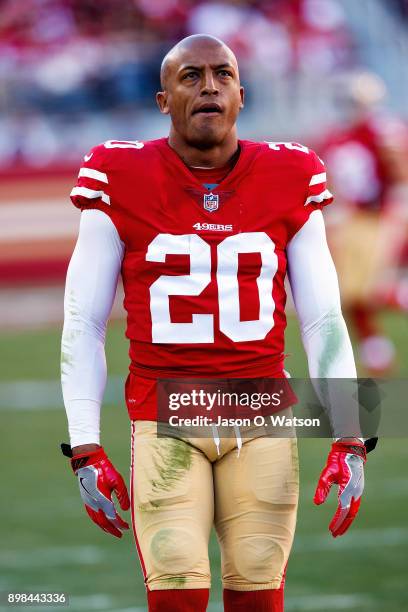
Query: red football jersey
pixel 203 271
pixel 360 173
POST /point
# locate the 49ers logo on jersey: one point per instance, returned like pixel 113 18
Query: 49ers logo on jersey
pixel 211 201
pixel 216 227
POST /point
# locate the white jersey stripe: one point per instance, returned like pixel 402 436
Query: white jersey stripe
pixel 317 178
pixel 91 194
pixel 93 174
pixel 318 199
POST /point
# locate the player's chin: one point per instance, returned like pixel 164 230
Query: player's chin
pixel 206 136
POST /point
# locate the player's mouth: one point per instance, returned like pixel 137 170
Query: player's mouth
pixel 207 109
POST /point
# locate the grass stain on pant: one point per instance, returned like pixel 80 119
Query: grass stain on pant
pixel 174 459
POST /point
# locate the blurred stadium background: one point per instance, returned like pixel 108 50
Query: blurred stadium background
pixel 77 72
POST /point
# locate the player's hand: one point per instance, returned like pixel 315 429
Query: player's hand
pixel 344 467
pixel 97 478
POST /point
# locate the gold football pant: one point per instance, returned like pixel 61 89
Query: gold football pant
pixel 179 489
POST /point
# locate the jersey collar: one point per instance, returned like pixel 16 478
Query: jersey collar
pixel 248 152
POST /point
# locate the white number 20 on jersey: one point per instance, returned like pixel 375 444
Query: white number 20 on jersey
pixel 201 329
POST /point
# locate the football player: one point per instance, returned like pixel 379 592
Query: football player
pixel 203 227
pixel 368 161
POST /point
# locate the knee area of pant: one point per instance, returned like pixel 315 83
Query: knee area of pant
pixel 174 551
pixel 259 559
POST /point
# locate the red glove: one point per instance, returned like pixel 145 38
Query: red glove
pixel 344 467
pixel 97 478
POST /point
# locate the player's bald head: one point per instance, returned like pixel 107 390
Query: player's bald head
pixel 201 92
pixel 189 50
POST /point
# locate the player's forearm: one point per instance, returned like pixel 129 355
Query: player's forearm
pixel 83 379
pixel 83 421
pixel 328 347
pixel 333 373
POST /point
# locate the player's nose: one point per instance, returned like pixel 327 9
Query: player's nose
pixel 209 84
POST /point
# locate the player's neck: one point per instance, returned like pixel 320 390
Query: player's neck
pixel 215 157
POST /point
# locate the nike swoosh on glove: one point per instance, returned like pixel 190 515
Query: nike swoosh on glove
pixel 344 467
pixel 97 478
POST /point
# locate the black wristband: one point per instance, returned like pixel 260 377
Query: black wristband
pixel 370 444
pixel 66 450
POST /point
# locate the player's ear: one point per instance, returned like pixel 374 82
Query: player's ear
pixel 161 99
pixel 242 94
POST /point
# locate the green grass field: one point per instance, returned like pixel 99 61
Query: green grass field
pixel 49 544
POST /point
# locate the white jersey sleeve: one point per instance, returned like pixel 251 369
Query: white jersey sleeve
pixel 316 295
pixel 89 294
pixel 315 290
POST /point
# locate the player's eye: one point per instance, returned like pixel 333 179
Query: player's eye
pixel 190 75
pixel 225 73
